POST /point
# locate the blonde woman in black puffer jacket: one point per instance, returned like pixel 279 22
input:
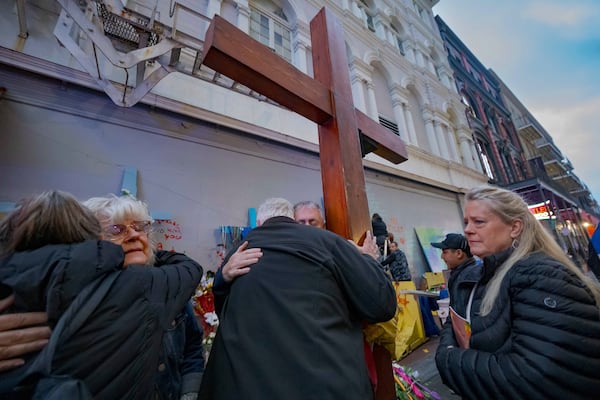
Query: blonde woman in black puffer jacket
pixel 534 317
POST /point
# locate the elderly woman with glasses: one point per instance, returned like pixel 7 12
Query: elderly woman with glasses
pixel 51 251
pixel 532 323
pixel 126 222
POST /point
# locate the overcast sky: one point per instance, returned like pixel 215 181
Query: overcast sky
pixel 548 53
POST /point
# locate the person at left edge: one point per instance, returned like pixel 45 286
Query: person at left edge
pixel 116 349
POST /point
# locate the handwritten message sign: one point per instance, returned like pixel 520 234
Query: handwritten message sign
pixel 166 234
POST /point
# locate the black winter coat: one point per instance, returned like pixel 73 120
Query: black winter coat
pixel 540 341
pixel 398 266
pixel 116 350
pixel 291 328
pixel 379 231
pixel 460 283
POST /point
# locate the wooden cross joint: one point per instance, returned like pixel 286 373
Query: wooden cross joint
pixel 234 54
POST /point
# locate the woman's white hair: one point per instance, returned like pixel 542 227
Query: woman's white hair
pixel 534 237
pixel 113 209
pixel 274 207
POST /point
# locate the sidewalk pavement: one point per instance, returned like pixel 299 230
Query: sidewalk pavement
pixel 422 360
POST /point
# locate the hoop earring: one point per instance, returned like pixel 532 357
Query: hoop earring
pixel 515 243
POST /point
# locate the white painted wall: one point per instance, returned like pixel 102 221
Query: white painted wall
pixel 68 138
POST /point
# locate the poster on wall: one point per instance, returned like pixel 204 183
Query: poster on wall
pixel 166 234
pixel 432 254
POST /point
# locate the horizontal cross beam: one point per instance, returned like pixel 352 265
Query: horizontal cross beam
pixel 225 47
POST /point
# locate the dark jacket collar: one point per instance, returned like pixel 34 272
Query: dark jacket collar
pixel 470 274
pixel 274 220
pixel 493 262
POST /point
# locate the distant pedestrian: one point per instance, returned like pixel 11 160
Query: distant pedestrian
pixel 397 264
pixel 380 231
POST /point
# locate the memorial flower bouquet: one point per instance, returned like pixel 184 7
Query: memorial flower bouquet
pixel 204 307
pixel 408 386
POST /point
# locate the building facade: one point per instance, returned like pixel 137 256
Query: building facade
pixel 101 96
pixel 517 152
pixel 495 136
pixel 566 204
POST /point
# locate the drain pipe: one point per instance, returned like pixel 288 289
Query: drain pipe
pixel 22 19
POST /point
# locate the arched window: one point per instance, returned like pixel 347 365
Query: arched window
pixel 491 117
pixel 270 26
pixel 483 148
pixel 521 169
pixel 385 109
pixel 508 167
pixel 465 100
pixel 397 39
pixel 364 7
pixel 422 13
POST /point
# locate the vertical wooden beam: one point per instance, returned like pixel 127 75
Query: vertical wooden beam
pixel 342 171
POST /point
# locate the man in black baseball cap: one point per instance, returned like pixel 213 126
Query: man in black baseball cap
pixel 464 271
pixel 455 250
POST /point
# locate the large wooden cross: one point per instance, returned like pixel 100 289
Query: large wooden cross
pixel 345 133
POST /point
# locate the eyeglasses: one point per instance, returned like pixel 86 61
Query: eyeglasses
pixel 116 231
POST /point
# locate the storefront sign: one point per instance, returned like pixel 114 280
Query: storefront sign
pixel 542 210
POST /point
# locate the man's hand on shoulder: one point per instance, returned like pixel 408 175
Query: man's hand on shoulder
pixel 240 261
pixel 19 335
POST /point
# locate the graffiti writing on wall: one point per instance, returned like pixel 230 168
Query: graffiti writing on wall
pixel 166 234
pixel 394 226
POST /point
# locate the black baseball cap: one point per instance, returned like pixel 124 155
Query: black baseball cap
pixel 454 241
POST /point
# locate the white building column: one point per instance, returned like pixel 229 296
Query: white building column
pixel 451 136
pixel 358 93
pixel 389 36
pixel 398 108
pixel 430 65
pixel 362 14
pixel 441 139
pixel 380 28
pixel 468 150
pixel 445 77
pixel 371 101
pixel 419 58
pixel 300 56
pixel 243 17
pixel 352 7
pixel 465 147
pixel 431 138
pixel 213 7
pixel 410 124
pixel 409 51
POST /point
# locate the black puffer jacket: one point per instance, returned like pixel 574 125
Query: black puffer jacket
pixel 540 341
pixel 116 350
pixel 462 280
